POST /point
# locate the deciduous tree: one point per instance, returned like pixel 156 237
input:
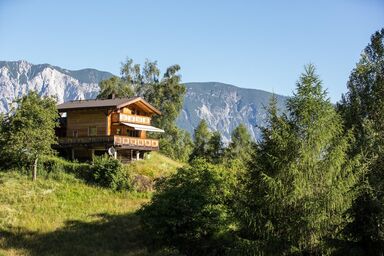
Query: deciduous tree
pixel 114 87
pixel 29 130
pixel 190 212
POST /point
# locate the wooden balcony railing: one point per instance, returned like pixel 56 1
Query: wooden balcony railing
pixel 132 141
pixel 113 140
pixel 137 119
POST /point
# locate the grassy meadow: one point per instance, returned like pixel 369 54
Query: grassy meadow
pixel 62 215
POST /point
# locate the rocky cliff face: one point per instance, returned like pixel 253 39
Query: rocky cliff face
pixel 19 77
pixel 223 106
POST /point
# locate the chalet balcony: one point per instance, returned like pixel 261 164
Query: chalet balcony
pixel 136 119
pixel 123 142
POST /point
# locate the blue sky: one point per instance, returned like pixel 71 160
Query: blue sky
pixel 252 44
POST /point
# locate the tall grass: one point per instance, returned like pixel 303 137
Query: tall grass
pixel 154 166
pixel 62 214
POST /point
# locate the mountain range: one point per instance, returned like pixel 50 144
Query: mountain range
pixel 223 106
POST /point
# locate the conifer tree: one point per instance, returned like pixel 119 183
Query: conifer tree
pixel 362 109
pixel 240 148
pixel 201 136
pixel 215 148
pixel 299 184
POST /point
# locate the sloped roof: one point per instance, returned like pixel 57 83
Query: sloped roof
pixel 107 103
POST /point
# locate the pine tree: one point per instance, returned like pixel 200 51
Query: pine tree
pixel 299 184
pixel 362 109
pixel 201 136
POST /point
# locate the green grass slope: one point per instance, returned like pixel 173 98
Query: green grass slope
pixel 155 166
pixel 63 215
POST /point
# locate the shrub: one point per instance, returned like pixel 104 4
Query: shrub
pixel 53 165
pixel 190 210
pixel 108 172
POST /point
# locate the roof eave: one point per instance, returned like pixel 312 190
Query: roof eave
pixel 79 108
pixel 155 110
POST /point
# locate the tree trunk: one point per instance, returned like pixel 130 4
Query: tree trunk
pixel 34 172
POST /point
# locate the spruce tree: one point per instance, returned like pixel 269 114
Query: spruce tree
pixel 201 138
pixel 215 148
pixel 300 180
pixel 362 109
pixel 241 145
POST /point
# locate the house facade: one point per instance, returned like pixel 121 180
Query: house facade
pixel 115 126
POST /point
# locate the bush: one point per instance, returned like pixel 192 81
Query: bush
pixel 190 210
pixel 52 166
pixel 108 172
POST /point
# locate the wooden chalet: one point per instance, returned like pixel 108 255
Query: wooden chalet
pixel 116 126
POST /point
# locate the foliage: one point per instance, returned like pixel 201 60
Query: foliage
pixel 362 109
pixel 108 172
pixel 207 144
pixel 239 150
pixel 168 96
pixel 114 87
pixel 176 143
pixel 28 131
pixel 300 180
pixel 190 210
pixel 201 137
pixel 215 148
pixel 55 166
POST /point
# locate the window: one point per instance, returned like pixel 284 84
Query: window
pixel 118 131
pixel 92 131
pixel 75 133
pixel 133 133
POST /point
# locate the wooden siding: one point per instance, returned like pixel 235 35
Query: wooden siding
pixel 82 120
pixel 109 122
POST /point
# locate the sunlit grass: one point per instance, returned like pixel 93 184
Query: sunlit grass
pixel 155 165
pixel 60 214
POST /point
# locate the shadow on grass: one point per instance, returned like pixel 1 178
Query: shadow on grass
pixel 110 235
